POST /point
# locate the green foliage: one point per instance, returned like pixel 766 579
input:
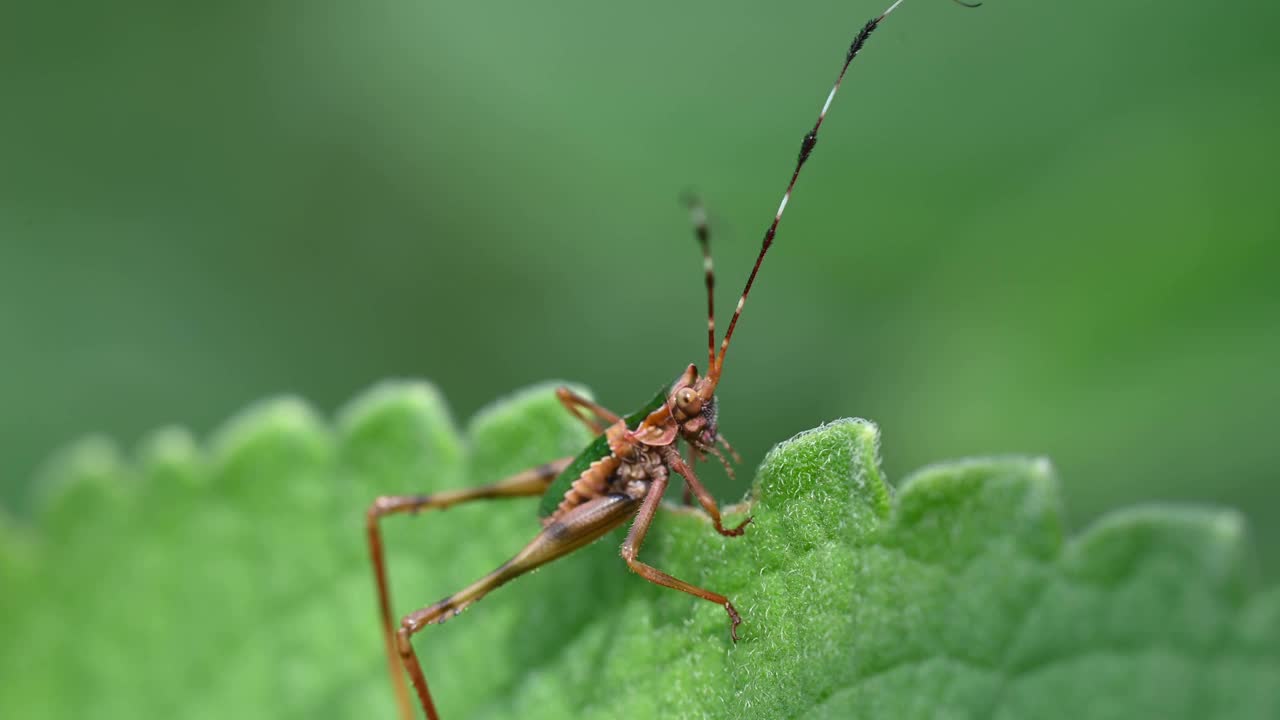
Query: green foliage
pixel 232 582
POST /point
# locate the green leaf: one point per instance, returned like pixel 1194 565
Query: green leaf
pixel 232 581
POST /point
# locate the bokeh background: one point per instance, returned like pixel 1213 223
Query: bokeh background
pixel 1041 228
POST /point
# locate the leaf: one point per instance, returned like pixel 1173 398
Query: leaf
pixel 232 582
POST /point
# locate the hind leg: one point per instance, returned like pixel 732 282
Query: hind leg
pixel 528 483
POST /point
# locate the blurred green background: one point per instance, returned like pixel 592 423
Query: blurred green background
pixel 1038 228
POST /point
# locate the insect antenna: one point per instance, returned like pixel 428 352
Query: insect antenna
pixel 806 147
pixel 698 216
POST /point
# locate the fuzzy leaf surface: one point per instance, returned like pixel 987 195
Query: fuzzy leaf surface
pixel 230 579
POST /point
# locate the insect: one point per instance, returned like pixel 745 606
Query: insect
pixel 622 475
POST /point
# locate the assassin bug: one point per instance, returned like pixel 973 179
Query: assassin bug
pixel 621 475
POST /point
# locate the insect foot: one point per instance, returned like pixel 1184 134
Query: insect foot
pixel 734 621
pixel 733 532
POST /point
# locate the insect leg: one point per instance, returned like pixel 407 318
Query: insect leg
pixel 635 538
pixel 574 403
pixel 577 528
pixel 529 482
pixel 677 463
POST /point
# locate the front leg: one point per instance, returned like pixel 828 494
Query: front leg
pixel 677 463
pixel 635 538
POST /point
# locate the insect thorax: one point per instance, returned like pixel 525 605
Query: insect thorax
pixel 637 472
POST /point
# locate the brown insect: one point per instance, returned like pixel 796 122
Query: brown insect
pixel 621 475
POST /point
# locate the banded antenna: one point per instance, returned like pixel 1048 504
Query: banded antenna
pixel 716 363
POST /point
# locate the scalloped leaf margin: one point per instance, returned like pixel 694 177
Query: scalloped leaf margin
pixel 232 580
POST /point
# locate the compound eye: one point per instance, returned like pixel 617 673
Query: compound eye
pixel 688 402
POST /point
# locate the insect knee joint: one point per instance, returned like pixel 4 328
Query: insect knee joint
pixel 403 646
pixel 375 512
pixel 383 505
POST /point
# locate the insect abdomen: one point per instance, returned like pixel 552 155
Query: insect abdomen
pixel 592 483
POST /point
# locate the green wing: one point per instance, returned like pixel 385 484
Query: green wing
pixel 596 450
